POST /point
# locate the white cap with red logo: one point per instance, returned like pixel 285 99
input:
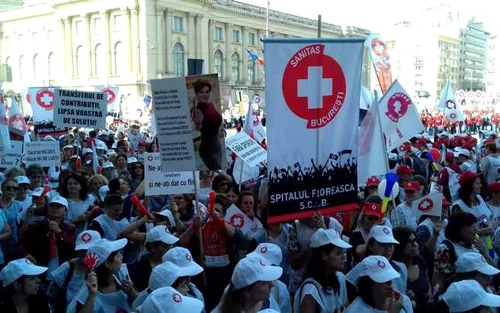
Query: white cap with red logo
pixel 376 267
pixel 182 258
pixel 86 239
pixel 167 300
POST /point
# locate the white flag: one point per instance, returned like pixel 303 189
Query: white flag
pixel 239 220
pixel 448 104
pixel 253 127
pixel 113 99
pixel 372 158
pixel 399 116
pixel 242 172
pixel 431 204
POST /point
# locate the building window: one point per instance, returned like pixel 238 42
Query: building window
pixel 98 61
pixel 235 66
pixel 251 39
pixel 251 70
pixel 36 67
pixel 96 25
pixel 178 24
pixel 178 60
pixel 21 39
pixel 21 67
pixel 117 22
pixel 35 38
pixel 218 63
pixel 51 65
pixel 218 33
pixel 235 36
pixel 8 70
pixel 78 28
pixel 118 63
pixel 50 36
pixel 79 59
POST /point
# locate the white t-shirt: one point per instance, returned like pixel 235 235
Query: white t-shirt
pixel 328 300
pixel 110 227
pixel 359 306
pixel 76 209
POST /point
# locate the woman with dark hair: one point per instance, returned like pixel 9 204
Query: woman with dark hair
pixel 233 193
pixel 418 286
pixel 374 278
pixel 36 175
pixel 108 288
pixel 208 121
pixel 20 293
pixel 119 186
pixel 220 184
pixel 80 202
pixel 324 287
pixel 121 162
pixel 461 238
pixel 136 171
pixel 122 147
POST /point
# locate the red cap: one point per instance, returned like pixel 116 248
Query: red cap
pixel 372 181
pixel 449 156
pixel 466 177
pixel 494 187
pixel 421 142
pixel 412 186
pixel 404 170
pixel 490 142
pixel 372 209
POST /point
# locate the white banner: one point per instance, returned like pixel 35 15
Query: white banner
pixel 399 116
pixel 80 109
pixel 42 105
pixel 448 104
pixel 12 156
pixel 43 153
pixel 160 183
pixel 113 99
pixel 253 126
pixel 312 86
pixel 247 149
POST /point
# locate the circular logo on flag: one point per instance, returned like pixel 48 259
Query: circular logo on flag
pixel 150 158
pixel 256 99
pixel 111 95
pixel 86 237
pixel 237 220
pixel 263 250
pixel 425 205
pixel 177 298
pixel 452 116
pixel 45 99
pixel 314 86
pixel 461 94
pixel 188 257
pixel 450 104
pixel 381 264
pixel 386 230
pixel 397 106
pixel 379 47
pixel 479 94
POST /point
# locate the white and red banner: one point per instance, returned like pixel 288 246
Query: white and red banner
pixel 313 88
pixel 253 127
pixel 42 105
pixel 448 105
pixel 431 205
pixel 399 117
pixel 239 220
pixel 113 98
pixel 381 61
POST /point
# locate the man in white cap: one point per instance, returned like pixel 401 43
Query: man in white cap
pixel 51 241
pixel 158 242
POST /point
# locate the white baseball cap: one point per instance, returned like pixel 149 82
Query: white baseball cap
pixel 168 300
pixel 22 180
pixel 251 270
pixel 37 192
pixel 59 200
pixel 466 295
pixel 161 233
pixel 269 251
pixel 382 234
pixel 472 261
pixel 168 214
pixel 18 268
pixel 462 151
pixel 100 145
pixel 376 267
pixel 87 150
pixel 68 147
pixel 268 311
pixel 323 237
pixel 103 249
pixel 165 275
pixel 182 258
pixel 86 239
pixel 132 160
pixel 108 165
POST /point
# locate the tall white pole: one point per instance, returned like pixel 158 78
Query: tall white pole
pixel 267 19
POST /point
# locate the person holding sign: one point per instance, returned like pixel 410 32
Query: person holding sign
pixel 208 121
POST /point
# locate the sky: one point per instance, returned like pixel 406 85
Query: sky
pixel 379 14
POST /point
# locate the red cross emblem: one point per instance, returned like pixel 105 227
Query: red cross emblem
pixel 381 264
pixel 177 298
pixel 45 99
pixel 397 106
pixel 379 47
pixel 386 230
pixel 86 237
pixel 150 158
pixel 309 69
pixel 111 95
pixel 425 205
pixel 237 220
pixel 263 249
pixel 188 257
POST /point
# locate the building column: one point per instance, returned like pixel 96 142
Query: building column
pixel 210 53
pixel 106 44
pixel 160 56
pixel 69 48
pixel 244 54
pixel 191 34
pixel 88 48
pixel 227 54
pixel 134 40
pixel 168 41
pixel 64 56
pixel 128 44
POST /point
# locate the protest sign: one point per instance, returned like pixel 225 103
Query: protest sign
pixel 80 109
pixel 162 183
pixel 235 217
pixel 42 105
pixel 313 85
pixel 43 153
pixel 12 155
pixel 247 149
pixel 112 97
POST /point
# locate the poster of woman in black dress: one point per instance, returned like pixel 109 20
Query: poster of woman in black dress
pixel 206 118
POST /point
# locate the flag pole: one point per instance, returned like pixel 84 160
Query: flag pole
pixel 267 18
pixel 319 26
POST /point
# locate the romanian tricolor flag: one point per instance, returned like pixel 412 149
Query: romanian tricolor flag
pixel 255 57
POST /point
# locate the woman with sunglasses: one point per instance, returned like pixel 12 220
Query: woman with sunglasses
pixel 10 208
pixel 137 173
